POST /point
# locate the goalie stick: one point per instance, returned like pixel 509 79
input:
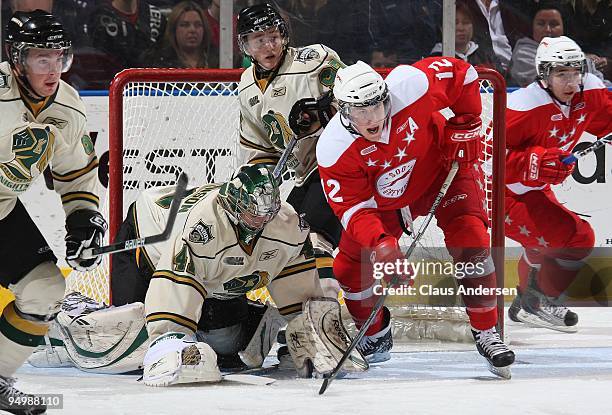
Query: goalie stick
pixel 381 300
pixel 596 145
pixel 130 244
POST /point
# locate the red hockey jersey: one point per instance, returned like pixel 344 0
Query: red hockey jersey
pixel 534 119
pixel 362 177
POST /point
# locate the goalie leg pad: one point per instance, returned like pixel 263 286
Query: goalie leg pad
pixel 317 339
pixel 263 339
pixel 107 340
pixel 175 358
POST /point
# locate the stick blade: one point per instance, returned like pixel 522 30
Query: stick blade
pixel 324 386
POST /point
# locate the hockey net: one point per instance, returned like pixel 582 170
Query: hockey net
pixel 164 121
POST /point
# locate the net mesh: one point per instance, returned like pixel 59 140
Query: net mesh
pixel 174 126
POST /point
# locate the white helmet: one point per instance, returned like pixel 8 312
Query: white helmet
pixel 358 86
pixel 558 51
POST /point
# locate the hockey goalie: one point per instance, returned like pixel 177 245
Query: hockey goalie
pixel 227 240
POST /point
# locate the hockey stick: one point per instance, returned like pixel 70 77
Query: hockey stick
pixel 381 300
pixel 130 244
pixel 278 170
pixel 596 145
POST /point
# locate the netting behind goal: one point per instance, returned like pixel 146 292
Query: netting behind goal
pixel 164 121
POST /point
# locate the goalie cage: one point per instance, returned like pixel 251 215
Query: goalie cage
pixel 164 121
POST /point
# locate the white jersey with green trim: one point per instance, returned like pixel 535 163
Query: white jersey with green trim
pixel 265 105
pixel 50 133
pixel 205 256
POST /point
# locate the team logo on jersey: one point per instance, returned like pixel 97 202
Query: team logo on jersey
pixel 268 255
pixel 279 92
pixel 4 83
pixel 59 123
pixel 368 150
pixel 201 233
pixel 277 128
pixel 254 100
pixel 579 106
pixel 454 199
pixel 327 76
pixel 246 283
pixel 234 260
pixel 32 148
pixel 88 145
pixel 306 54
pixel 392 184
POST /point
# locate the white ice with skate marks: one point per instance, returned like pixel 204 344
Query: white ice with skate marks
pixel 555 373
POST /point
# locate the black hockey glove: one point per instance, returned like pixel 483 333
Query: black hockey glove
pixel 84 229
pixel 308 113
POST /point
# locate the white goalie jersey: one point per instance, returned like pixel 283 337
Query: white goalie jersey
pixel 204 258
pixel 265 105
pixel 49 133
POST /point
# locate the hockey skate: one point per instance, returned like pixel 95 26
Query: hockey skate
pixel 377 347
pixel 9 395
pixel 538 310
pixel 491 347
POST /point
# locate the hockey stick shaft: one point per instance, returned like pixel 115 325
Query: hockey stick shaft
pixel 381 299
pixel 179 193
pixel 278 170
pixel 593 147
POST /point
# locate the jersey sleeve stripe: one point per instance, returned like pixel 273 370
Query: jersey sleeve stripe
pixel 75 174
pixel 252 145
pixel 296 269
pixel 265 160
pixel 85 196
pixel 367 204
pixel 470 76
pixel 290 309
pixel 175 318
pixel 178 279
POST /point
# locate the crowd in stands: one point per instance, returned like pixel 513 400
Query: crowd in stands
pixel 110 35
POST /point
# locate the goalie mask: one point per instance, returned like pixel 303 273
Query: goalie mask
pixel 37 31
pixel 251 199
pixel 363 97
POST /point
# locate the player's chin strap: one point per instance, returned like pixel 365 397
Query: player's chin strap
pixel 554 98
pixel 25 88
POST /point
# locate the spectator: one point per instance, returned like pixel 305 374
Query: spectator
pixel 490 17
pixel 212 18
pixel 547 22
pixel 122 28
pixel 383 59
pixel 465 48
pixel 186 41
pixel 590 25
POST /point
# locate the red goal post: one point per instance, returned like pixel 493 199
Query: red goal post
pixel 212 102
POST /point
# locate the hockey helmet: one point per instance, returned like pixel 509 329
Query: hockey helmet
pixel 259 18
pixel 362 94
pixel 251 198
pixel 37 29
pixel 558 52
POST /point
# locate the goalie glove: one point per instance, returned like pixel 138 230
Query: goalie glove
pixel 84 229
pixel 545 166
pixel 309 114
pixel 462 139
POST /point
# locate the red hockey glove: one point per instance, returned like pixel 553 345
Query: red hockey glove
pixel 462 139
pixel 389 261
pixel 544 165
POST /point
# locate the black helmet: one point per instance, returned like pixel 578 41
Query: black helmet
pixel 36 29
pixel 259 18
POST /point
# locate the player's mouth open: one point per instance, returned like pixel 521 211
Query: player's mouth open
pixel 373 130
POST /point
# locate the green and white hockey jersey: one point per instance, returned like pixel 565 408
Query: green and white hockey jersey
pixel 265 104
pixel 50 133
pixel 205 258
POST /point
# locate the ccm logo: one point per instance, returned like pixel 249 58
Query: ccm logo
pixel 465 136
pixel 533 166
